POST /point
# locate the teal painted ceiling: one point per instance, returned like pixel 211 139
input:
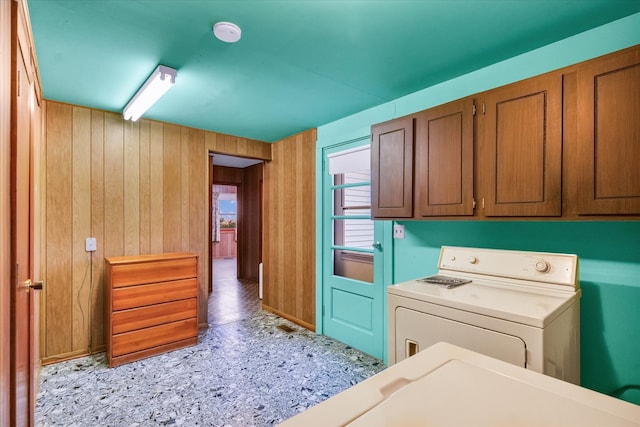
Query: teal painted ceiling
pixel 300 63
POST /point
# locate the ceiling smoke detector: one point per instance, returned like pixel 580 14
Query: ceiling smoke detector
pixel 227 32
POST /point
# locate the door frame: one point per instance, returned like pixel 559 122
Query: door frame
pixel 382 259
pixel 242 212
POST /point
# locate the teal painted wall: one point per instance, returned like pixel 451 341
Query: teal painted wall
pixel 609 251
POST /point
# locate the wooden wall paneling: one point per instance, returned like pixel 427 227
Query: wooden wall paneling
pixel 113 185
pixel 270 253
pixel 211 141
pixel 299 215
pixel 288 251
pixel 145 188
pixel 184 191
pixel 131 188
pixel 124 184
pixel 267 151
pixel 230 144
pixel 58 313
pixel 5 208
pixel 38 249
pixel 276 249
pixel 241 226
pixel 226 175
pixel 250 208
pixel 39 163
pixel 156 187
pixel 172 189
pixel 267 232
pixel 255 149
pixel 186 184
pixel 242 146
pixel 281 252
pixel 97 227
pixel 253 179
pixel 198 215
pixel 309 228
pixel 267 207
pixel 81 211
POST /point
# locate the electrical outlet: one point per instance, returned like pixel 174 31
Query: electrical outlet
pixel 398 231
pixel 90 244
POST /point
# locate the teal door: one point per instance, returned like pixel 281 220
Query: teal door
pixel 353 297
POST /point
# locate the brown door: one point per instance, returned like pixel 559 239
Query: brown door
pixel 22 313
pixel 609 134
pixel 521 148
pixel 392 169
pixel 444 160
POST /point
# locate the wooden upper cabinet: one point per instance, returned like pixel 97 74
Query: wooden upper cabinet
pixel 392 169
pixel 608 98
pixel 520 148
pixel 444 160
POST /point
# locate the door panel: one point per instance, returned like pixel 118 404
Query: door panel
pixel 22 399
pixel 392 169
pixel 25 199
pixel 444 160
pixel 609 134
pixel 352 289
pixel 521 148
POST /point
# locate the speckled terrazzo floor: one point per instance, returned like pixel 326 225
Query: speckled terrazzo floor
pixel 247 372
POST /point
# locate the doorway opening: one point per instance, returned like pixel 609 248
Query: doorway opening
pixel 235 218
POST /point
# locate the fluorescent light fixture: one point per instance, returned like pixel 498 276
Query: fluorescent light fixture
pixel 158 83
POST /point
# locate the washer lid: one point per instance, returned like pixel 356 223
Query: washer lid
pixel 533 307
pixel 459 393
pixel 446 385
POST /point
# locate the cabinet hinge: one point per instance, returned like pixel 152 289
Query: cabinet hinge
pixel 484 108
pixel 18 83
pixel 474 204
pixel 474 111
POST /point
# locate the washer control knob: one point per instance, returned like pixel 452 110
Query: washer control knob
pixel 542 266
pixel 472 260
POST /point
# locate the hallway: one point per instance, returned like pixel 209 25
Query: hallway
pixel 232 299
pixel 250 368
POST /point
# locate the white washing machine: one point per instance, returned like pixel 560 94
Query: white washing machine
pixel 519 307
pixel 446 385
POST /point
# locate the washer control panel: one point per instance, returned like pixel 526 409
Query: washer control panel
pixel 544 267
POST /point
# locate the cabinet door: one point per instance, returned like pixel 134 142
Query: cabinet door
pixel 521 148
pixel 609 134
pixel 392 169
pixel 444 160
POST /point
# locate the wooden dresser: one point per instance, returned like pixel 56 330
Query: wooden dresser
pixel 151 305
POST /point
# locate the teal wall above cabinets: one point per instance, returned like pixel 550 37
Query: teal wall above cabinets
pixel 609 251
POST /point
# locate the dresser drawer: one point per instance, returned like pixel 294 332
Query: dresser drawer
pixel 153 315
pixel 142 339
pixel 156 293
pixel 150 272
